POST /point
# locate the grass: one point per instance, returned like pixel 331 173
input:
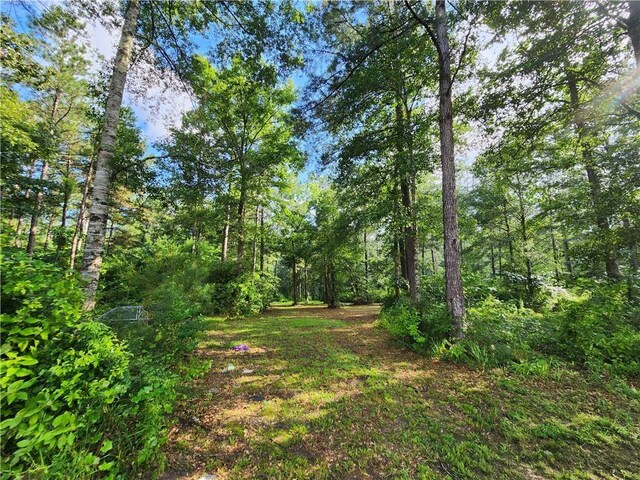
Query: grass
pixel 324 394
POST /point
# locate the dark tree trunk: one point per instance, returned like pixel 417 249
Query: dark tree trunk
pixel 366 266
pixel 508 230
pixel 254 246
pixel 556 256
pixel 493 263
pixel 47 236
pixel 294 280
pixel 262 239
pixel 240 226
pixel 453 275
pixel 602 222
pixel 567 257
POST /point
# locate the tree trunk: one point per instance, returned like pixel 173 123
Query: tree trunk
pixel 508 230
pixel 410 247
pixel 493 263
pixel 94 247
pixel 254 246
pixel 602 222
pixel 262 239
pixel 294 281
pixel 17 241
pixel 82 213
pixel 47 236
pixel 44 173
pixel 433 260
pixel 225 235
pixel 567 256
pixel 453 275
pixel 556 256
pixel 366 266
pixel 240 226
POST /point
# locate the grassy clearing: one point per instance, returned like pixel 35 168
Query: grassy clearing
pixel 324 394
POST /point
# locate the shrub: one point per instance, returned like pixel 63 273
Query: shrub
pixel 402 320
pixel 59 374
pixel 77 399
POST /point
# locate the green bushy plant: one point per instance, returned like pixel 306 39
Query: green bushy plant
pixel 402 320
pixel 597 329
pixel 60 374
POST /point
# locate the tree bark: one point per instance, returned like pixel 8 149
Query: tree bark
pixel 47 236
pixel 254 246
pixel 294 281
pixel 262 239
pixel 82 213
pixel 508 230
pixel 44 173
pixel 94 247
pixel 453 275
pixel 602 222
pixel 493 263
pixel 556 256
pixel 366 265
pixel 240 226
pixel 567 256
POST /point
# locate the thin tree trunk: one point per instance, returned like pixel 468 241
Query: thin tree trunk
pixel 254 247
pixel 556 256
pixel 82 213
pixel 396 267
pixel 305 288
pixel 17 241
pixel 44 173
pixel 602 222
pixel 294 281
pixel 453 275
pixel 567 256
pixel 433 260
pixel 225 235
pixel 262 239
pixel 240 226
pixel 508 230
pixel 493 263
pixel 47 236
pixel 366 266
pixel 94 247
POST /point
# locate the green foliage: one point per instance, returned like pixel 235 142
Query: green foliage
pixel 402 321
pixel 60 375
pixel 424 324
pixel 79 398
pixel 596 329
pixel 599 329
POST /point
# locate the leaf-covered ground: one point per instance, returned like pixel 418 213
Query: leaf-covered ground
pixel 325 394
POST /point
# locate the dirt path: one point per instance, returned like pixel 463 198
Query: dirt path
pixel 324 394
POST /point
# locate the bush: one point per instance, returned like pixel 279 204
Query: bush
pixel 402 320
pixel 78 397
pixel 598 329
pixel 420 325
pixel 59 374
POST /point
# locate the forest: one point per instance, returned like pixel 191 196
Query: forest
pixel 323 239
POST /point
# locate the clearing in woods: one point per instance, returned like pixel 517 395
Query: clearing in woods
pixel 325 394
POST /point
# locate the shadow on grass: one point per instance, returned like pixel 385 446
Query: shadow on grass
pixel 332 397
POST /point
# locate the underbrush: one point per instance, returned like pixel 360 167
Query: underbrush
pixel 592 326
pixel 206 285
pixel 80 399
